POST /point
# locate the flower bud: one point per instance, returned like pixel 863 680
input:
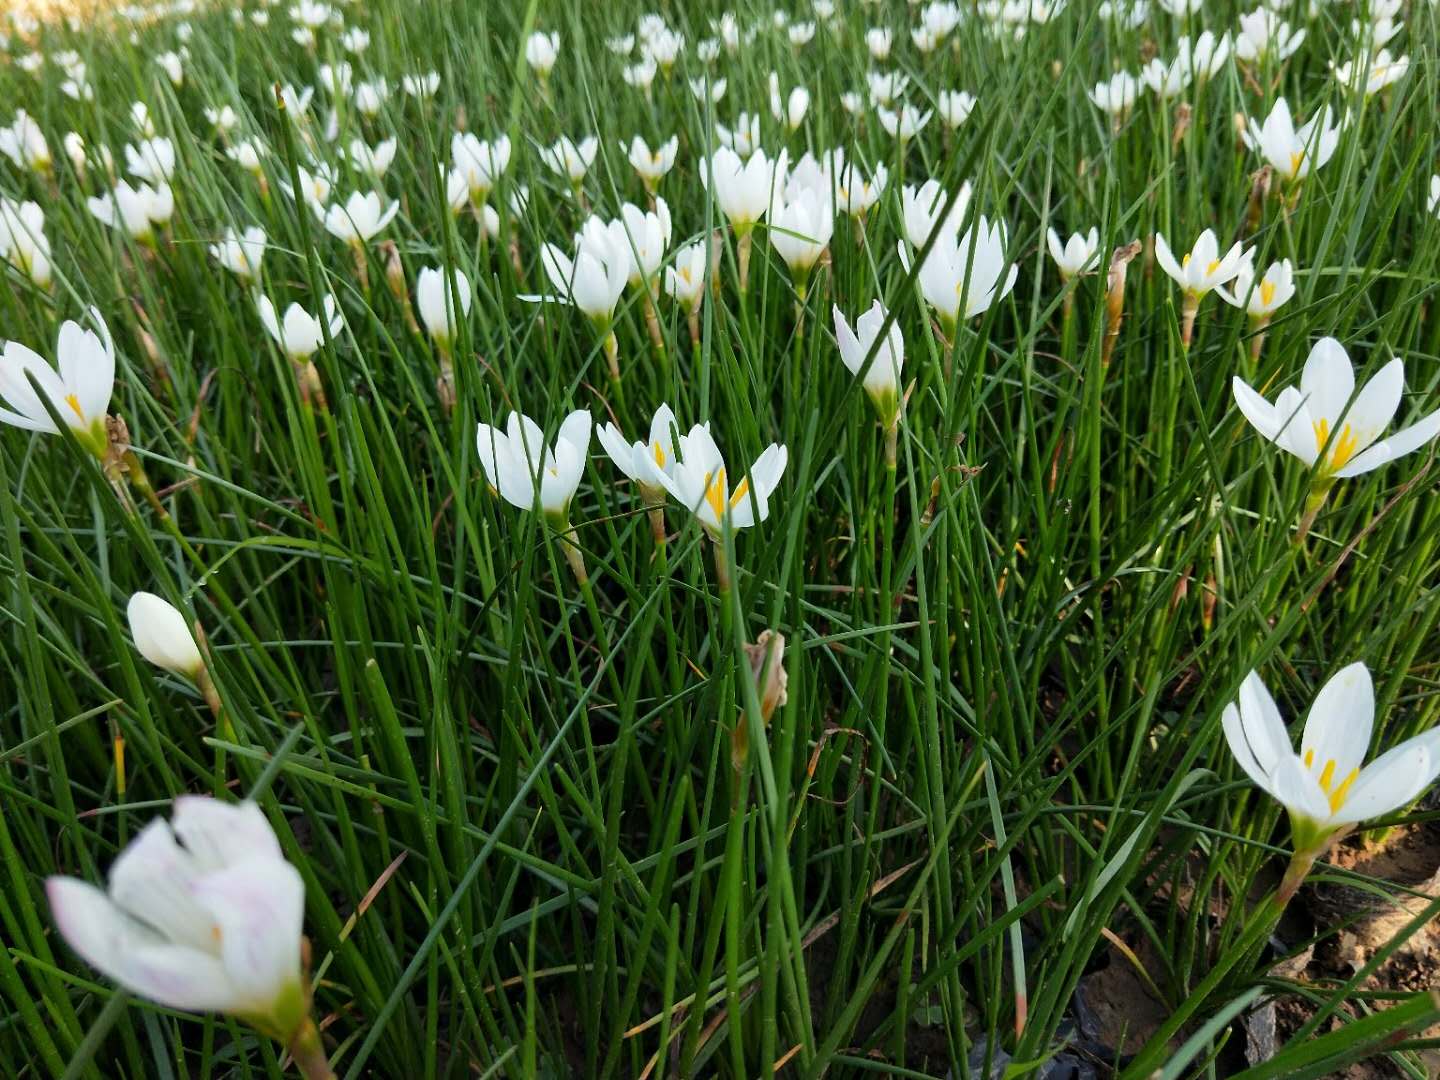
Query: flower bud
pixel 162 635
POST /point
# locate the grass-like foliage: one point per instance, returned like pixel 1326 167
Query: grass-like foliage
pixel 846 737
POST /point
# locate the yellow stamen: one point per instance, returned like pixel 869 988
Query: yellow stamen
pixel 740 492
pixel 659 455
pixel 1295 161
pixel 715 492
pixel 1327 775
pixel 1338 796
pixel 1212 266
pixel 1309 759
pixel 1346 443
pixel 74 403
pixel 1267 292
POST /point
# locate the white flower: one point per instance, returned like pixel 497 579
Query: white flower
pixel 247 153
pixel 481 163
pixel 699 482
pixel 1116 95
pixel 640 75
pixel 240 253
pixel 1206 56
pixel 1434 203
pixel 685 279
pixel 437 308
pixel 136 210
pixel 311 13
pixel 152 161
pixel 202 914
pixel 421 86
pixel 852 103
pixel 963 277
pixel 789 110
pixel 222 119
pixel 336 78
pixel 882 380
pixel 355 40
pixel 652 165
pixel 1166 80
pixel 1320 424
pixel 743 189
pixel 925 39
pixel 1182 8
pixel 878 39
pixel 24 143
pixel 886 86
pixel 140 117
pixel 1324 787
pixel 904 124
pixel 955 106
pixel 297 102
pixel 854 194
pixel 648 463
pixel 1077 255
pixel 921 207
pixel 1290 152
pixel 374 160
pixel 1203 267
pixel 79 391
pixel 663 48
pixel 1260 299
pixel 1373 74
pixel 300 334
pixel 800 228
pixel 371 96
pixel 163 636
pixel 569 160
pixel 744 137
pixel 522 468
pixel 1263 33
pixel 711 89
pixel 360 218
pixel 646 236
pixel 595 279
pixel 172 64
pixel 800 33
pixel 541 52
pixel 314 187
pixel 23 243
pixel 621 45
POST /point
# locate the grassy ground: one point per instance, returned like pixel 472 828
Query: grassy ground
pixel 532 841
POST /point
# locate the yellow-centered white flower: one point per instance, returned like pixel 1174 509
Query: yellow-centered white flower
pixel 23 243
pixel 1329 426
pixel 685 277
pixel 202 914
pixel 1372 73
pixel 241 253
pixel 1202 268
pixel 1265 35
pixel 481 163
pixel 1261 299
pixel 1293 152
pixel 1326 787
pixel 800 227
pixel 699 482
pixel 78 387
pixel 652 165
pixel 963 276
pixel 522 468
pixel 645 463
pixel 955 106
